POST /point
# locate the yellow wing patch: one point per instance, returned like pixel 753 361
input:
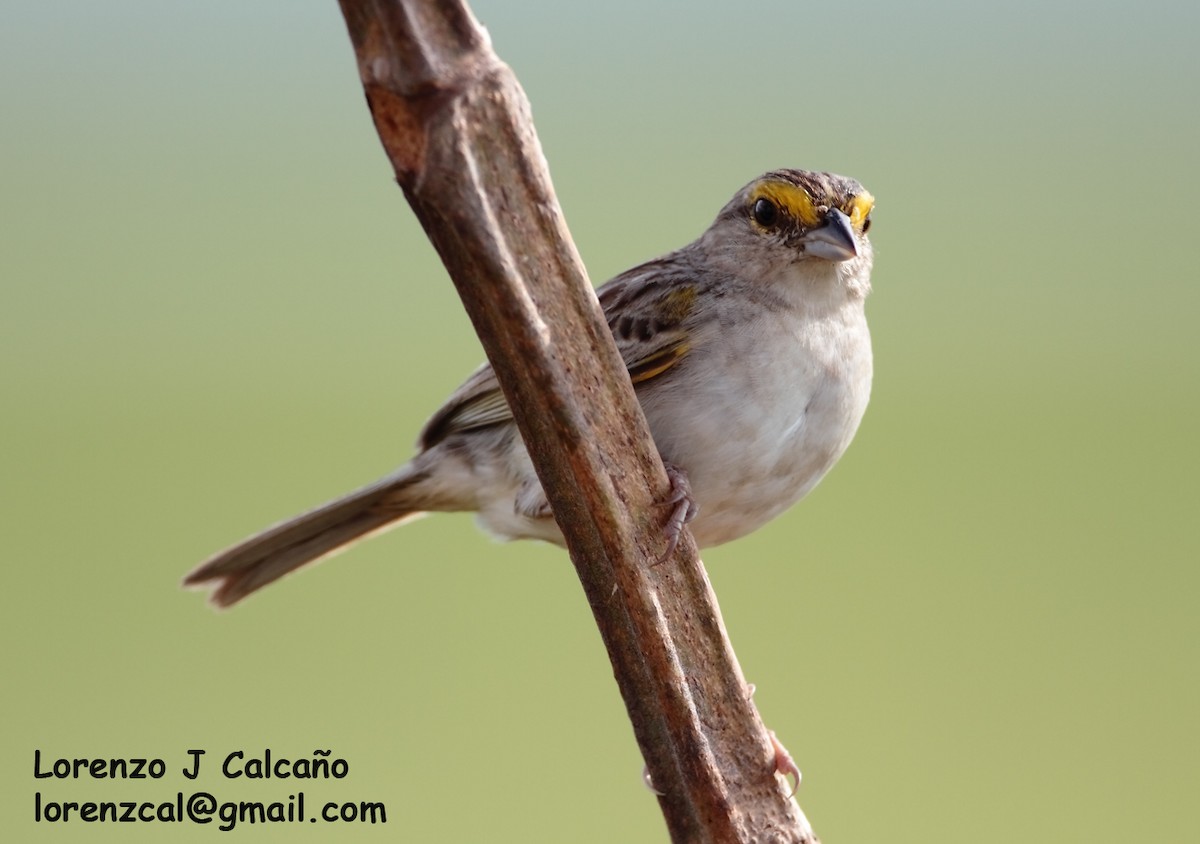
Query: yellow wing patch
pixel 678 303
pixel 658 363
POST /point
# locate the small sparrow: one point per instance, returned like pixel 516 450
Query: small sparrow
pixel 749 352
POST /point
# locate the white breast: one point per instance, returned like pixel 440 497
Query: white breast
pixel 768 412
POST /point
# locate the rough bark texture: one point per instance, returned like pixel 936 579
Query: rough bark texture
pixel 456 126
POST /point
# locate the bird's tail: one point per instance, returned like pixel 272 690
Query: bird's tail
pixel 309 537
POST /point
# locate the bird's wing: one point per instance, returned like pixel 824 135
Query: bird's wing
pixel 646 309
pixel 478 403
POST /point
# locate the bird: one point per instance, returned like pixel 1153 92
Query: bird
pixel 748 350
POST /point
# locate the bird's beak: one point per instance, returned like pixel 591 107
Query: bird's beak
pixel 834 240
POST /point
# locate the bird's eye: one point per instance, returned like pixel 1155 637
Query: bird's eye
pixel 765 212
pixel 867 224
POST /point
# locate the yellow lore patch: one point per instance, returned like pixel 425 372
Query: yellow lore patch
pixel 800 205
pixel 859 209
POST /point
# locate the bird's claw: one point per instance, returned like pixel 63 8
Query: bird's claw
pixel 683 509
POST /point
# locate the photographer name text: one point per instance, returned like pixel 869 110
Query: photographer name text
pixel 200 807
pixel 235 765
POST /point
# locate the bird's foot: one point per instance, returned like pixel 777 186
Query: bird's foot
pixel 683 509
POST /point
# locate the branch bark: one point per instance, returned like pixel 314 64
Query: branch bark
pixel 456 127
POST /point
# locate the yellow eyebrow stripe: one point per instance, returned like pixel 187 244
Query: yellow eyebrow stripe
pixel 792 199
pixel 797 202
pixel 860 208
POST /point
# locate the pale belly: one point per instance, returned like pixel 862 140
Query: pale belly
pixel 752 452
pixel 760 466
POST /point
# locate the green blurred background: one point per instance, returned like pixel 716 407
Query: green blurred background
pixel 218 310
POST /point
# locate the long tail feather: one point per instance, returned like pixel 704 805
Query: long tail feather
pixel 307 538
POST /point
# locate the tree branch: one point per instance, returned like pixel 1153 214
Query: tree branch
pixel 456 126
